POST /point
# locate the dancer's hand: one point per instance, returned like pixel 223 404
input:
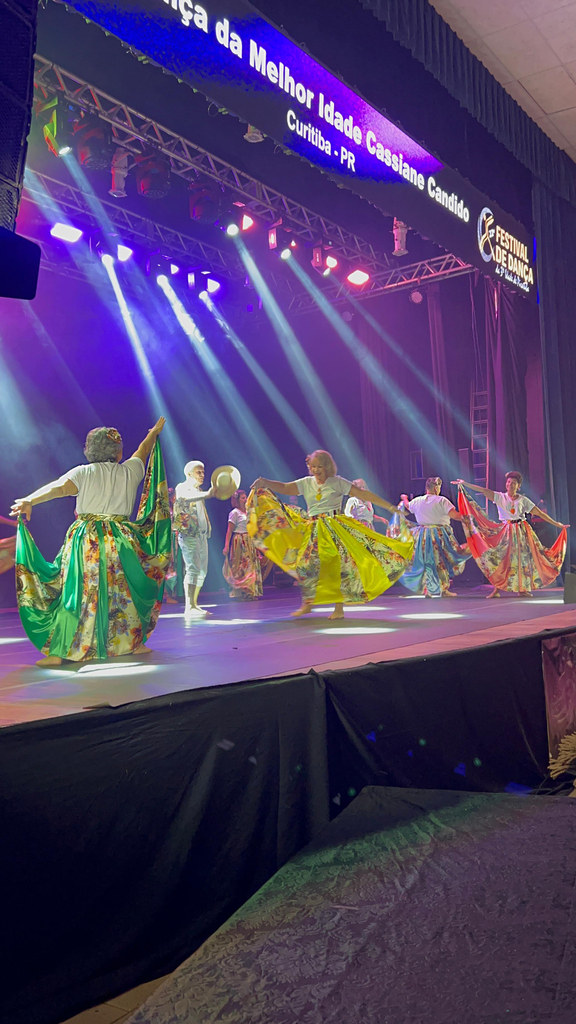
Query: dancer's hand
pixel 224 551
pixel 21 507
pixel 158 426
pixel 260 482
pixel 563 526
pixel 458 482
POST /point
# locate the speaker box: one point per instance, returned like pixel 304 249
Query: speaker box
pixel 570 588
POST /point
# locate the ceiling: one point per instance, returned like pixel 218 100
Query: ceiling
pixel 529 46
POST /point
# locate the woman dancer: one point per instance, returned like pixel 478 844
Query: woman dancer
pixel 363 511
pixel 242 566
pixel 509 553
pixel 438 556
pixel 102 595
pixel 335 559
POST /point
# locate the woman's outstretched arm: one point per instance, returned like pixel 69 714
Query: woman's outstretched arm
pixel 359 492
pixel 145 447
pixel 474 487
pixel 56 489
pixel 277 485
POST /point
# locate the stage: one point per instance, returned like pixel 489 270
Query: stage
pixel 258 640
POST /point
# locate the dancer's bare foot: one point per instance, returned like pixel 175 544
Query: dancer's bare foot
pixel 171 600
pixel 338 612
pixel 495 593
pixel 51 661
pixel 304 609
pixel 526 593
pixel 143 649
pixel 449 593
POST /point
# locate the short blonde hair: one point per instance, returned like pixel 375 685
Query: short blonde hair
pixel 325 459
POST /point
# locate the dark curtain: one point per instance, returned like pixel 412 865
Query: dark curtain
pixel 555 222
pixel 444 420
pixel 418 27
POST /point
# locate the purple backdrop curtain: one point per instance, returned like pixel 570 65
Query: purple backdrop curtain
pixel 444 420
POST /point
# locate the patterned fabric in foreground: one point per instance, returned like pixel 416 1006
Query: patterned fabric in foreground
pixel 412 907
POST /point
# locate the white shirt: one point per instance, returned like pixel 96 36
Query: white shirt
pixel 323 498
pixel 189 490
pixel 431 509
pixel 107 488
pixel 360 510
pixel 238 520
pixel 512 508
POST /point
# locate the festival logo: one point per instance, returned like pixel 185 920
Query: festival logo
pixel 507 252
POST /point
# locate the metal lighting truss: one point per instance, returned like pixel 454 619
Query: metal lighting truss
pixel 396 279
pixel 132 226
pixel 136 132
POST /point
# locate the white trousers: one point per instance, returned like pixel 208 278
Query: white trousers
pixel 195 554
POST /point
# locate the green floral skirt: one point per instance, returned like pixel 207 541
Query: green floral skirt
pixel 102 595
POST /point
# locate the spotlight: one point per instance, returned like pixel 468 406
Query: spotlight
pixel 212 286
pixel 331 262
pixel 247 222
pixel 162 279
pixel 203 295
pixel 66 233
pixel 280 238
pixel 56 126
pixel 286 253
pixel 92 139
pixel 399 230
pixel 124 252
pixel 358 277
pixel 174 269
pixel 253 134
pixel 119 173
pixel 108 260
pixel 205 202
pixel 152 174
pixel 416 297
pixel 348 316
pixel 232 230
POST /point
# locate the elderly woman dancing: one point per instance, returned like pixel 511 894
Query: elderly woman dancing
pixel 102 595
pixel 335 559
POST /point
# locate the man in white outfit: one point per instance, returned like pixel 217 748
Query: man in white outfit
pixel 193 525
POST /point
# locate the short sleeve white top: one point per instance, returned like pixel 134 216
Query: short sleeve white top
pixel 360 510
pixel 431 509
pixel 107 488
pixel 323 498
pixel 512 508
pixel 238 520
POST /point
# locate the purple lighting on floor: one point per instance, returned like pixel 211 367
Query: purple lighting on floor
pixel 65 232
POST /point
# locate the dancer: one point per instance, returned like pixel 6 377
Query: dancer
pixel 438 556
pixel 242 566
pixel 335 559
pixel 102 595
pixel 509 553
pixel 194 529
pixel 363 511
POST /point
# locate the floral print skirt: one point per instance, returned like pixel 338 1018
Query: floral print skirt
pixel 510 554
pixel 243 567
pixel 438 557
pixel 334 558
pixel 101 596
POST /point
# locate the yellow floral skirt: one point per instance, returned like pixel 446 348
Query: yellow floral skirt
pixel 334 558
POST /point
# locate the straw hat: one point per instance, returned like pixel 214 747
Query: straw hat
pixel 226 480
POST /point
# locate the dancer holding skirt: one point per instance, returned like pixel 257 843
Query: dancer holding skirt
pixel 335 559
pixel 509 552
pixel 438 556
pixel 243 561
pixel 102 594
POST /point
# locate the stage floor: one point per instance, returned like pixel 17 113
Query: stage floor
pixel 258 640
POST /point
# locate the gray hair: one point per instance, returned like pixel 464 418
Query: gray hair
pixel 103 444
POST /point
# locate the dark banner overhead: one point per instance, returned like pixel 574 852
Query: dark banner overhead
pixel 228 51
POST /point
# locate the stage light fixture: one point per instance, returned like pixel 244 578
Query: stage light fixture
pixel 247 222
pixel 56 126
pixel 92 139
pixel 331 262
pixel 416 296
pixel 205 202
pixel 153 176
pixel 161 279
pixel 232 230
pixel 119 170
pixel 203 296
pixel 107 259
pixel 66 233
pixel 358 277
pixel 174 269
pixel 212 286
pixel 286 253
pixel 124 253
pixel 399 230
pixel 254 134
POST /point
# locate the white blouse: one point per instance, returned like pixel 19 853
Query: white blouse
pixel 431 509
pixel 106 488
pixel 238 520
pixel 512 508
pixel 323 498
